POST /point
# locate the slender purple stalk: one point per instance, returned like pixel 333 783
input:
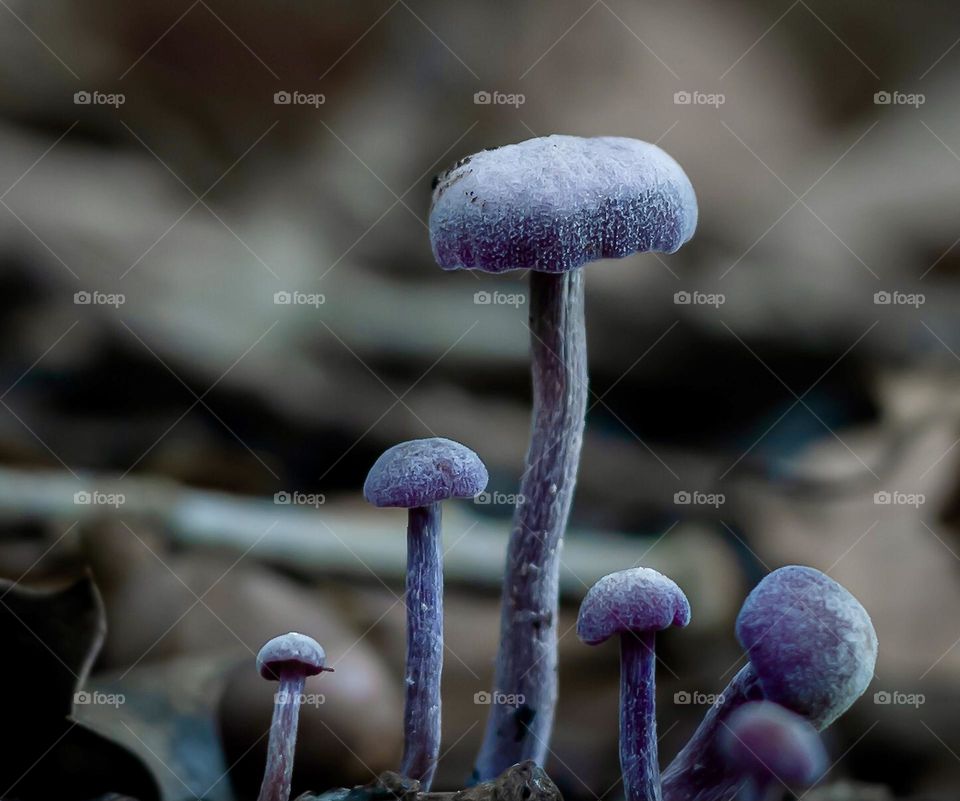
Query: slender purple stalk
pixel 527 660
pixel 424 599
pixel 638 723
pixel 700 770
pixel 283 737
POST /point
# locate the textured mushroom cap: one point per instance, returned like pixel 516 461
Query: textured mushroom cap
pixel 291 652
pixel 764 740
pixel 558 202
pixel 810 642
pixel 637 600
pixel 424 471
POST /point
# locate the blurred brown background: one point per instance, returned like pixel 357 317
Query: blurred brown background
pixel 798 357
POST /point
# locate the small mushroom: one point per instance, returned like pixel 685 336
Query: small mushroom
pixel 289 659
pixel 769 746
pixel 635 604
pixel 417 476
pixel 550 205
pixel 812 649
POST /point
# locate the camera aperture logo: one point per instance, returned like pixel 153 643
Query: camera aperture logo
pixel 297 298
pixel 97 698
pixel 897 298
pixel 95 98
pixel 696 298
pixel 484 298
pixel 695 98
pixel 484 698
pixel 485 98
pixel 896 698
pixel 295 98
pixel 897 498
pixel 895 98
pixel 97 498
pixel 697 498
pixel 314 499
pixel 696 698
pixel 98 298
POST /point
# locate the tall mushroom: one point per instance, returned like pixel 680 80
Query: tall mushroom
pixel 811 648
pixel 635 604
pixel 289 659
pixel 417 476
pixel 772 749
pixel 550 205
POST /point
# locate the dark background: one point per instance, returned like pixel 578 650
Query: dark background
pixel 796 396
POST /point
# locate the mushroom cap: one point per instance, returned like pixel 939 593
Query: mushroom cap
pixel 810 642
pixel 424 471
pixel 558 202
pixel 765 740
pixel 291 653
pixel 635 600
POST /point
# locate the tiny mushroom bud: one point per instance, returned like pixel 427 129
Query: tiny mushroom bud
pixel 811 648
pixel 550 205
pixel 769 746
pixel 417 476
pixel 635 604
pixel 289 659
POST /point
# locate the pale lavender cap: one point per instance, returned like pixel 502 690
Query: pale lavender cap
pixel 291 653
pixel 767 741
pixel 635 600
pixel 558 202
pixel 811 643
pixel 424 471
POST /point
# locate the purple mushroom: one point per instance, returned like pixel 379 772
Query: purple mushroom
pixel 811 648
pixel 550 205
pixel 635 604
pixel 417 476
pixel 289 659
pixel 772 749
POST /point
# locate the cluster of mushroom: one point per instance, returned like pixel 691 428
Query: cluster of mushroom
pixel 552 205
pixel 811 651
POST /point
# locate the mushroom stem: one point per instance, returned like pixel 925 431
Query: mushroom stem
pixel 527 659
pixel 283 738
pixel 424 600
pixel 700 772
pixel 638 723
